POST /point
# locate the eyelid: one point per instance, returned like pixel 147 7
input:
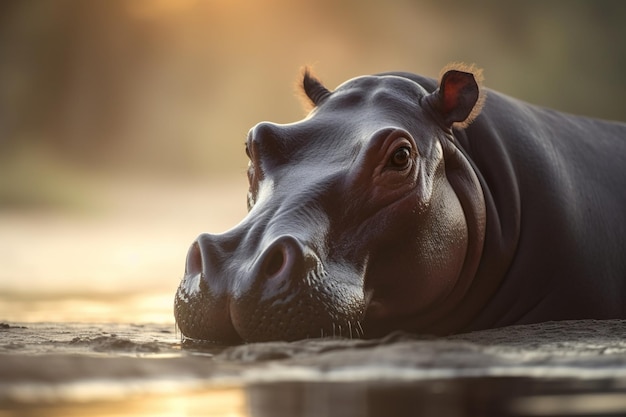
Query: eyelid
pixel 399 142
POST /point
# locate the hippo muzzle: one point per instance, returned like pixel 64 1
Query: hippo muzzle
pixel 283 292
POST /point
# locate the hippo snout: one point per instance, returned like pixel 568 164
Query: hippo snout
pixel 271 271
pixel 280 291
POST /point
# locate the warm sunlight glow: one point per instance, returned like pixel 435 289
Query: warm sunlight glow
pixel 216 402
pixel 157 9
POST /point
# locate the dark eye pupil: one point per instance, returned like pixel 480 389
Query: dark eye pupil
pixel 401 157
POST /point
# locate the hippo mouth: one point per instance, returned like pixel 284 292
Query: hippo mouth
pixel 290 295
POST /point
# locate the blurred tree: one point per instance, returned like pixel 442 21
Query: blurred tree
pixel 160 84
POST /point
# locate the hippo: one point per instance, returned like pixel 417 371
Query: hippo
pixel 405 203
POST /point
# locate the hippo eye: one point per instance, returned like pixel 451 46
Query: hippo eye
pixel 401 157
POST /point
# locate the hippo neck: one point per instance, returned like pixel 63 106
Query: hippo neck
pixel 501 193
pixel 546 257
pixel 491 204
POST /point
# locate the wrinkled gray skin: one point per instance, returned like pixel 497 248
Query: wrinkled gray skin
pixel 377 212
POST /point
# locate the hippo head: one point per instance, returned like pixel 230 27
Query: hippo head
pixel 363 218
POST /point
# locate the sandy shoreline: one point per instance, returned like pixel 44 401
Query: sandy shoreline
pixel 72 366
pixel 576 348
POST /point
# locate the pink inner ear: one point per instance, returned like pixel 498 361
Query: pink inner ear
pixel 458 97
pixel 452 87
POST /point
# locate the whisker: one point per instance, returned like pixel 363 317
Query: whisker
pixel 177 332
pixel 358 323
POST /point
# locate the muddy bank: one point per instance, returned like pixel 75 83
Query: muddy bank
pixel 29 352
pixel 65 363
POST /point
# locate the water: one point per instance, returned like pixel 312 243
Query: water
pixel 568 368
pixel 86 328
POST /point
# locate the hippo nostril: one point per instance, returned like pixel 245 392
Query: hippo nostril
pixel 194 260
pixel 274 262
pixel 283 258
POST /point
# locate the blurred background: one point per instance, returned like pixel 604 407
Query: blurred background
pixel 122 123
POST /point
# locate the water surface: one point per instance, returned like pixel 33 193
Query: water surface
pixel 86 328
pixel 568 368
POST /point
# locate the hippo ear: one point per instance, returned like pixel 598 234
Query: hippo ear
pixel 313 88
pixel 459 98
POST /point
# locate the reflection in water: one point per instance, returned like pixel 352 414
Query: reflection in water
pixel 226 402
pixel 512 396
pixel 451 398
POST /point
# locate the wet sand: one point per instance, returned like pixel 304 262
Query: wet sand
pixel 142 369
